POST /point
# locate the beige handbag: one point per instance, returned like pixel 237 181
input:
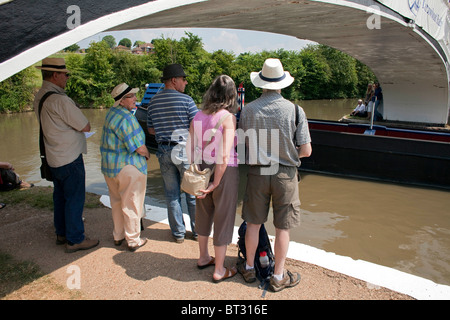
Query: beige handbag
pixel 194 179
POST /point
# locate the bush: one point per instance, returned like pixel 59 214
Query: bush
pixel 320 72
pixel 16 92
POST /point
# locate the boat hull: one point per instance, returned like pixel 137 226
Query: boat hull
pixel 384 158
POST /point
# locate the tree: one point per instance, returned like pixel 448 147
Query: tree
pixel 125 42
pixel 72 48
pixel 137 43
pixel 320 72
pixel 317 74
pixel 92 77
pixel 110 40
pixel 134 70
pixel 16 92
pixel 343 81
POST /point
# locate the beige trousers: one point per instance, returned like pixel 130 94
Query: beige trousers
pixel 127 195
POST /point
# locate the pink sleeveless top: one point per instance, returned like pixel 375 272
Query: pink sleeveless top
pixel 203 125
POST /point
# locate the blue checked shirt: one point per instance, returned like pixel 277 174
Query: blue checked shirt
pixel 121 136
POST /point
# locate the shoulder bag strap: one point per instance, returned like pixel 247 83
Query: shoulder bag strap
pixel 297 120
pixel 221 120
pixel 41 135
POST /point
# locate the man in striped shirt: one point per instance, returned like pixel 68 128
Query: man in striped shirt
pixel 169 114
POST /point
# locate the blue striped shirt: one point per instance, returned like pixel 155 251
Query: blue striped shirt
pixel 170 110
pixel 121 136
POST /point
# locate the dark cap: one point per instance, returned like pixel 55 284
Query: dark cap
pixel 173 71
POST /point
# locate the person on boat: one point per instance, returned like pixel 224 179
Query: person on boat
pixel 217 204
pixel 369 94
pixel 360 110
pixel 64 124
pixel 377 100
pixel 10 180
pixel 273 177
pixel 124 166
pixel 169 115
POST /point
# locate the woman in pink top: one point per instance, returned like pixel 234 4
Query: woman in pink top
pixel 218 203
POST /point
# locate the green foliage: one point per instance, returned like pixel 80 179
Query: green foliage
pixel 110 40
pixel 92 78
pixel 72 48
pixel 125 42
pixel 16 92
pixel 320 72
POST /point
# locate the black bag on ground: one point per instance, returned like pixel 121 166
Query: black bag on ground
pixel 8 180
pixel 262 273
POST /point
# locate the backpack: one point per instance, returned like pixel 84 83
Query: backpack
pixel 263 274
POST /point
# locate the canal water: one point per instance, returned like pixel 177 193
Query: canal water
pixel 398 226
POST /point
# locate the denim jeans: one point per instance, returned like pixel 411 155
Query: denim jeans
pixel 171 174
pixel 377 115
pixel 68 200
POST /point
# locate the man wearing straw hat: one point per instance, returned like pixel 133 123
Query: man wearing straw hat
pixel 272 174
pixel 63 125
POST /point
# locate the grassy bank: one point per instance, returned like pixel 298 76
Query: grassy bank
pixel 23 279
pixel 42 198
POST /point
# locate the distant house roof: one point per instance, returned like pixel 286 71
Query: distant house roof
pixel 144 48
pixel 122 48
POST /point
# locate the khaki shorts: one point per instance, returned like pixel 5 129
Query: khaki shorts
pixel 281 188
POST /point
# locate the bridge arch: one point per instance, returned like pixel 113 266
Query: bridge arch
pixel 411 66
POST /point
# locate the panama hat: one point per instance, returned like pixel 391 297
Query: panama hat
pixel 53 64
pixel 173 71
pixel 272 76
pixel 120 91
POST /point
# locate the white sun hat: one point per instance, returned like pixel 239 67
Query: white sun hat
pixel 272 76
pixel 120 91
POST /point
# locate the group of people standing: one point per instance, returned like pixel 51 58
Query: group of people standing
pixel 180 129
pixel 371 103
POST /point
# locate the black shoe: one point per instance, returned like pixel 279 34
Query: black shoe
pixel 118 242
pixel 134 248
pixel 61 240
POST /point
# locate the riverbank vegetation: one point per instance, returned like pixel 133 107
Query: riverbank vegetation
pixel 320 72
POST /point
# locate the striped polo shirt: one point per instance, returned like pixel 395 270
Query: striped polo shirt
pixel 121 136
pixel 170 113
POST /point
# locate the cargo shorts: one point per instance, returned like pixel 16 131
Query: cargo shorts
pixel 280 188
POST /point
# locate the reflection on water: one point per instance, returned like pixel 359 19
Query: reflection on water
pixel 328 109
pixel 403 227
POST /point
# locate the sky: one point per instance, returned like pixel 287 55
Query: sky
pixel 231 40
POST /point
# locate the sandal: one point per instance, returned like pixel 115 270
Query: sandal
pixel 210 263
pixel 229 273
pixel 2 205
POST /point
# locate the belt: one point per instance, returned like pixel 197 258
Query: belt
pixel 168 143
